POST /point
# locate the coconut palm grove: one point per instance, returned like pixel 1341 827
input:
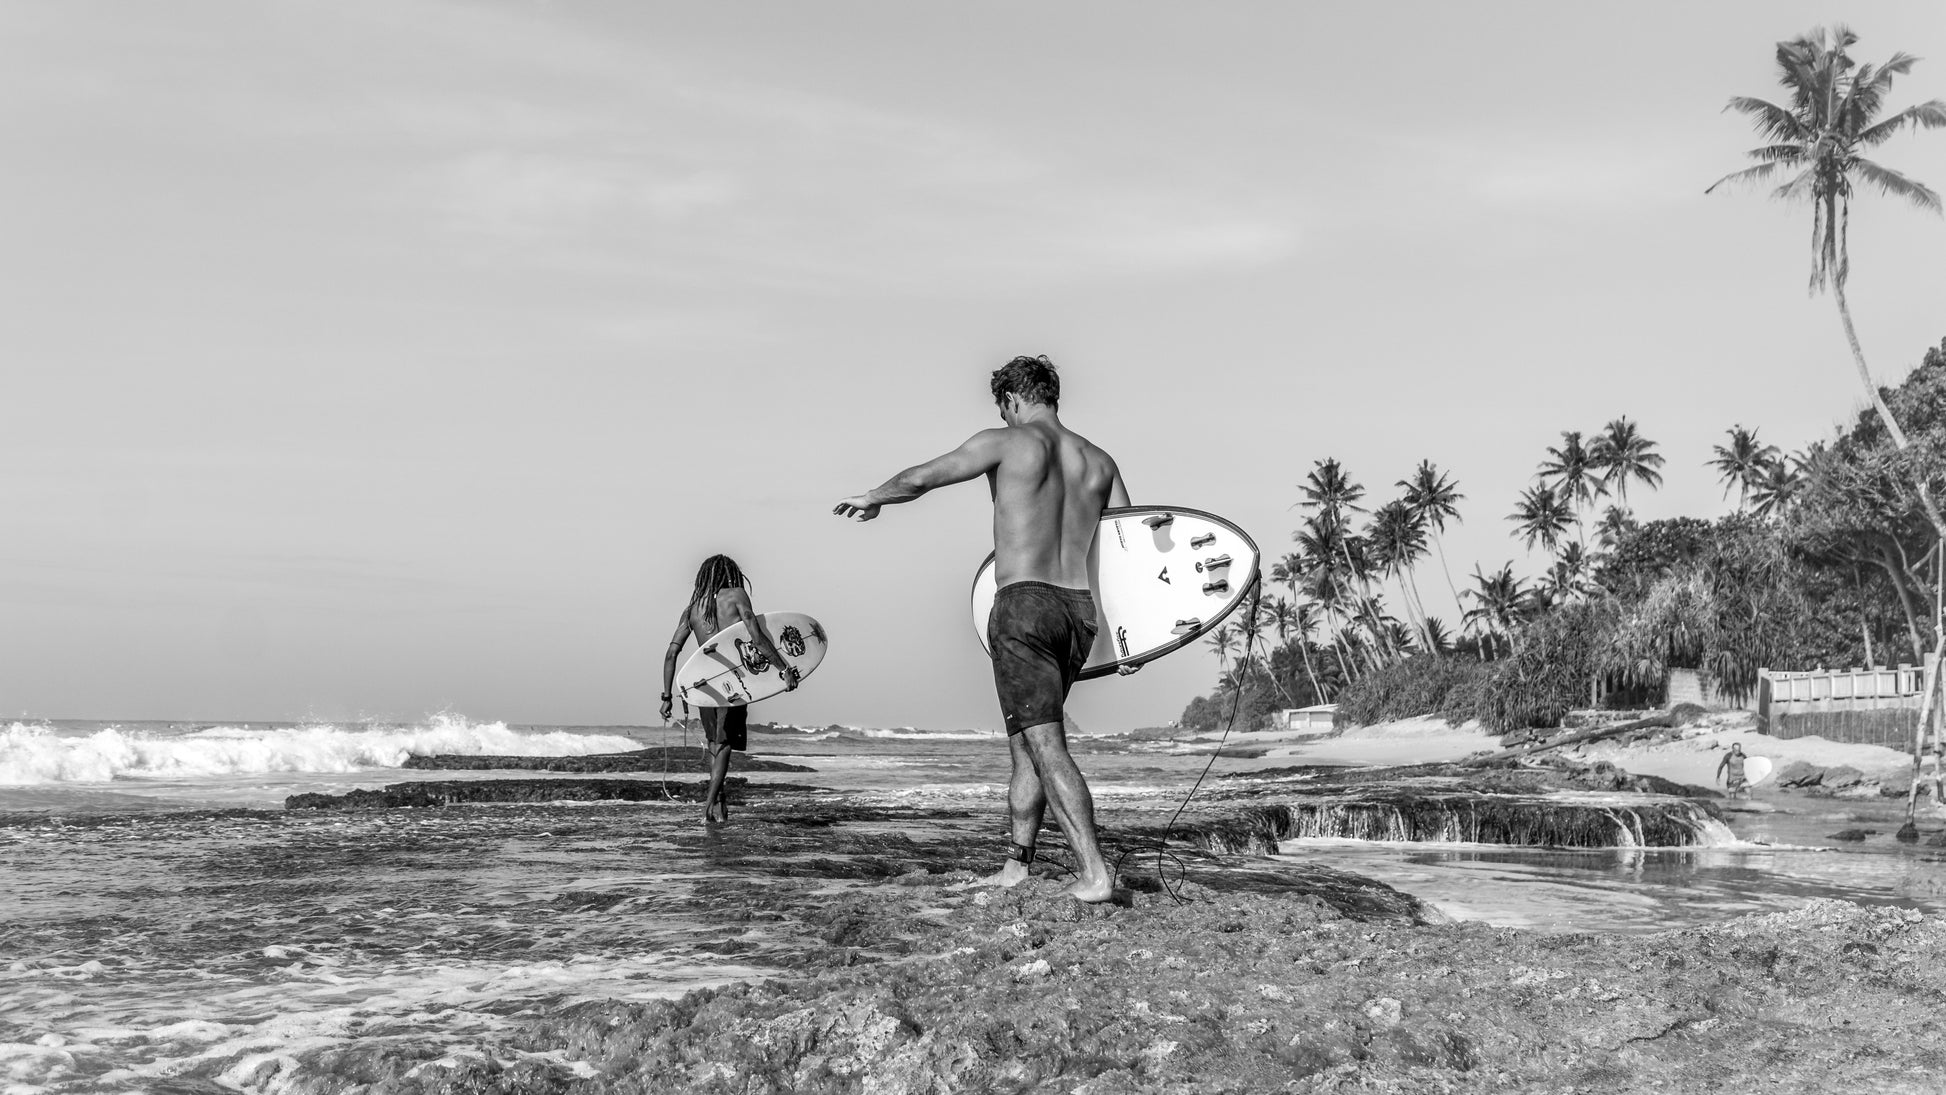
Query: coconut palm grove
pixel 1832 556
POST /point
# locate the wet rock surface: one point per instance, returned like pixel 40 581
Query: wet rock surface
pixel 437 793
pixel 682 759
pixel 1027 991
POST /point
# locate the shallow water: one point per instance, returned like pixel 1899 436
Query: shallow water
pixel 174 924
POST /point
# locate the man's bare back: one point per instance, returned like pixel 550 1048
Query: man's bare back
pixel 1049 489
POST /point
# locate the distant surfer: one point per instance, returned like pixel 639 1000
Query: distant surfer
pixel 1732 766
pixel 1049 488
pixel 721 599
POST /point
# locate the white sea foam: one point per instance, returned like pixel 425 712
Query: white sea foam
pixel 36 755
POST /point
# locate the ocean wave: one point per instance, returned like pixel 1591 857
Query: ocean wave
pixel 34 755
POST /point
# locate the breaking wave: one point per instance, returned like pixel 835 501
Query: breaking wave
pixel 34 755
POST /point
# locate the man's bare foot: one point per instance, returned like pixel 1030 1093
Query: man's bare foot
pixel 1093 890
pixel 1013 874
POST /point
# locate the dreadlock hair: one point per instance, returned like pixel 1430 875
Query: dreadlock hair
pixel 718 572
pixel 1033 379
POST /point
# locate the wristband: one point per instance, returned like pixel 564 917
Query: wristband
pixel 665 697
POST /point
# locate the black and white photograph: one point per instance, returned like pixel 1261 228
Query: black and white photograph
pixel 839 547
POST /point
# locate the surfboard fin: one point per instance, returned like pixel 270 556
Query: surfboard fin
pixel 1217 563
pixel 1160 520
pixel 1221 585
pixel 1203 541
pixel 1184 627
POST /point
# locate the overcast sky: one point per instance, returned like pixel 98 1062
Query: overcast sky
pixel 373 359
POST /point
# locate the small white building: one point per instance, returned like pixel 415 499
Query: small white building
pixel 1315 719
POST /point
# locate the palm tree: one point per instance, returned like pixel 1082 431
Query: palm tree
pixel 1571 471
pixel 1434 636
pixel 1303 623
pixel 1541 515
pixel 1334 495
pixel 1224 641
pixel 1286 618
pixel 1323 578
pixel 1498 602
pixel 1328 489
pixel 1398 541
pixel 1434 498
pixel 1776 488
pixel 1614 522
pixel 1622 453
pixel 1567 578
pixel 1742 462
pixel 1820 140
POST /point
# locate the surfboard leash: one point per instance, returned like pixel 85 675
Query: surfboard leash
pixel 1162 851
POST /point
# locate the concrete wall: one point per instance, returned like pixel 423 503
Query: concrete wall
pixel 1891 727
pixel 1686 686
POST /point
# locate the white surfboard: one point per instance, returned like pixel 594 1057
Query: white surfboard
pixel 730 670
pixel 1162 577
pixel 1756 770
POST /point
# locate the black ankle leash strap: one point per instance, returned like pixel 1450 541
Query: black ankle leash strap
pixel 1020 853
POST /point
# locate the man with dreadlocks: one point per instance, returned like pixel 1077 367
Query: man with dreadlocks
pixel 721 598
pixel 1049 487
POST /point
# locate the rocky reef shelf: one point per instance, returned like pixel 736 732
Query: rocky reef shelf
pixel 683 759
pixel 1411 814
pixel 437 793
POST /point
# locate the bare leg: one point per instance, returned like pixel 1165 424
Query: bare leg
pixel 1026 803
pixel 715 808
pixel 1074 808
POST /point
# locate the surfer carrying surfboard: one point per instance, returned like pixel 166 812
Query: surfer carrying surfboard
pixel 1049 487
pixel 721 598
pixel 1732 764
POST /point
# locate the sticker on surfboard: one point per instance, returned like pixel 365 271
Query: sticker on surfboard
pixel 730 670
pixel 1162 576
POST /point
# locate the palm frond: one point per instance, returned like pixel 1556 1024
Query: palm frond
pixel 1896 185
pixel 1771 120
pixel 1747 175
pixel 1927 115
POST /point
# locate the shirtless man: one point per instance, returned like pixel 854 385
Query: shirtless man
pixel 721 598
pixel 1049 487
pixel 1732 763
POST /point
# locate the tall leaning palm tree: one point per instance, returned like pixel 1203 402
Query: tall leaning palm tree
pixel 1397 540
pixel 1434 498
pixel 1622 454
pixel 1742 463
pixel 1817 144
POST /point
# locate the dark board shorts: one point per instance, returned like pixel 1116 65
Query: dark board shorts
pixel 1040 635
pixel 727 725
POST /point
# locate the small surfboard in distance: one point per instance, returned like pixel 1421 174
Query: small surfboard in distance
pixel 729 669
pixel 1756 770
pixel 1163 576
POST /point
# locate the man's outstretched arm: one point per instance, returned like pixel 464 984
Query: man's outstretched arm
pixel 979 455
